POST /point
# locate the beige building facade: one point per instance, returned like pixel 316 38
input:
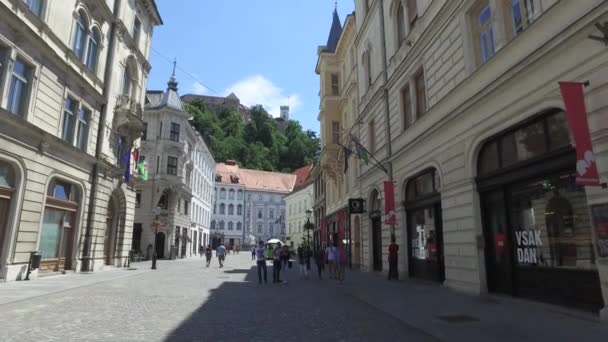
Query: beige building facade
pixel 460 102
pixel 64 180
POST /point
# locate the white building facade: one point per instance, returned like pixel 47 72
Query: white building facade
pixel 229 210
pixel 296 204
pixel 203 199
pixel 170 147
pixel 459 101
pixel 71 76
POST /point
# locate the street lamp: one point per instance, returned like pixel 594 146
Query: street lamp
pixel 155 224
pixel 308 226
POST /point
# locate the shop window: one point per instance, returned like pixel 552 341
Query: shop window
pixel 56 235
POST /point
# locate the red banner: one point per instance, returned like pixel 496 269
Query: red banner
pixel 389 203
pixel 574 101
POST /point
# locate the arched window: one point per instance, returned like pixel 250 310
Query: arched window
pixel 239 226
pixel 240 195
pixel 130 77
pixel 80 35
pixel 231 194
pixel 239 210
pixel 230 226
pixel 58 228
pixel 222 209
pixel 421 186
pixel 400 18
pixel 221 225
pixel 223 193
pixel 212 224
pixel 231 209
pixel 367 68
pixel 93 50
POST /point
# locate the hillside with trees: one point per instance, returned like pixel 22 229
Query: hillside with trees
pixel 258 144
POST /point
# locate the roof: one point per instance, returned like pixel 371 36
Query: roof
pixel 168 99
pixel 334 33
pixel 256 180
pixel 302 176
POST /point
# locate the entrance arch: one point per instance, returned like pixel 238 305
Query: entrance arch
pixel 375 216
pixel 115 228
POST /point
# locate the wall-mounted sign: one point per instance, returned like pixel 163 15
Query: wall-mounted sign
pixel 599 214
pixel 528 242
pixel 356 205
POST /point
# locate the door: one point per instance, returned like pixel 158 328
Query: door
pixel 425 242
pixel 160 245
pixel 377 243
pixel 184 241
pixel 136 242
pixel 498 242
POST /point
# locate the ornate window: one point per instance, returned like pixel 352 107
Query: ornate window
pixel 230 209
pixel 222 209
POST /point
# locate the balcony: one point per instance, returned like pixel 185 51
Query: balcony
pixel 331 163
pixel 128 117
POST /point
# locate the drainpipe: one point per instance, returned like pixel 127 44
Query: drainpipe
pixel 387 126
pixel 86 257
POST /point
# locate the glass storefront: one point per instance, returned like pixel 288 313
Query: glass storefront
pixel 537 228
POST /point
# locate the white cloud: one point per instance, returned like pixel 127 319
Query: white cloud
pixel 260 90
pixel 199 89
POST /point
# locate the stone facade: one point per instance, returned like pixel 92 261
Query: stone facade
pixel 451 77
pixel 68 122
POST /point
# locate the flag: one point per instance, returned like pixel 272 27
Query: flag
pixel 347 153
pixel 142 168
pixel 361 153
pixel 127 163
pixel 574 101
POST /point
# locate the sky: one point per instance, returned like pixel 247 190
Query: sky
pixel 265 51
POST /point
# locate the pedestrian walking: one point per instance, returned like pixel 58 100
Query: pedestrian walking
pixel 332 251
pixel 276 265
pixel 301 262
pixel 220 253
pixel 253 252
pixel 261 261
pixel 341 262
pixel 320 261
pixel 307 257
pixel 285 255
pixel 393 257
pixel 208 254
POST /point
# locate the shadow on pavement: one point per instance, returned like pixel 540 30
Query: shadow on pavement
pixel 301 310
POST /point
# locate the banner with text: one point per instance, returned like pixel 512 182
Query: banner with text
pixel 574 101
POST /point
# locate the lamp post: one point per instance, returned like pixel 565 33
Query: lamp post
pixel 308 226
pixel 155 224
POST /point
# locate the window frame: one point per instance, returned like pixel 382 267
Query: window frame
pixel 420 92
pixel 41 7
pixel 478 31
pixel 174 132
pixel 406 106
pixel 400 21
pixel 25 81
pixel 334 84
pixel 172 165
pixel 136 33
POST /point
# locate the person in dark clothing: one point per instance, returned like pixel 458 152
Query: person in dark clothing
pixel 276 265
pixel 320 261
pixel 393 256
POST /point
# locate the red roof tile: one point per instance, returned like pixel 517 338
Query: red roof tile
pixel 302 176
pixel 255 179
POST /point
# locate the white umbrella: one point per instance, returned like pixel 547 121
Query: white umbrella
pixel 272 241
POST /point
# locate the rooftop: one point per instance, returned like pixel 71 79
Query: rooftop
pixel 255 180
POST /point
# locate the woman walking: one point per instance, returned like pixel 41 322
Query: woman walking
pixel 261 262
pixel 276 265
pixel 332 251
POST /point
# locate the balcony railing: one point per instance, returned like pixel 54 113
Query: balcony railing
pixel 126 103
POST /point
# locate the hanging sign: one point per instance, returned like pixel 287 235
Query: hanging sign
pixel 574 101
pixel 389 203
pixel 599 214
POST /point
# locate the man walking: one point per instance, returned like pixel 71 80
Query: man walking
pixel 208 255
pixel 261 261
pixel 393 256
pixel 276 264
pixel 220 253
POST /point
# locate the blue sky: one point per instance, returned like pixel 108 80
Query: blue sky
pixel 263 50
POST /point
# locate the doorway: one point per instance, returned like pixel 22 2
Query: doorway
pixel 160 245
pixel 377 242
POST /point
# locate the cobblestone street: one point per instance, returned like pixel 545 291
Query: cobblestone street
pixel 183 301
